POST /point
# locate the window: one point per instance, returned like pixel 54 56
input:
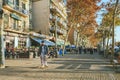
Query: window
pixel 10 3
pixel 23 25
pixel 23 6
pixel 16 4
pixel 14 24
pixel 6 21
pixel 22 42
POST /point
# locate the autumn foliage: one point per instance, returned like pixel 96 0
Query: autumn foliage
pixel 82 16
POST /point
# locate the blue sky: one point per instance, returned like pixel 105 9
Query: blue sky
pixel 117 29
pixel 117 33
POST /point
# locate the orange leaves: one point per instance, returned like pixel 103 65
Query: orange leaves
pixel 83 12
pixel 93 40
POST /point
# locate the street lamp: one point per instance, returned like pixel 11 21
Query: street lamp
pixel 2 55
pixel 56 35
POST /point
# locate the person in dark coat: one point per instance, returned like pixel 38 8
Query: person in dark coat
pixel 43 51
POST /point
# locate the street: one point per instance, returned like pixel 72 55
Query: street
pixel 67 67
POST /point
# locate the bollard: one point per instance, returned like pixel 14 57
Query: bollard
pixel 31 55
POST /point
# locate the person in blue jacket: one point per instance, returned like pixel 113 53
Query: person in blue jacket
pixel 43 51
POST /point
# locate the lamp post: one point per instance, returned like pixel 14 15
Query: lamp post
pixel 2 55
pixel 56 36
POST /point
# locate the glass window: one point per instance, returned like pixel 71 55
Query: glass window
pixel 23 6
pixel 10 3
pixel 24 24
pixel 6 21
pixel 15 23
pixel 17 4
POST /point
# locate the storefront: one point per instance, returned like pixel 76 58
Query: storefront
pixel 16 40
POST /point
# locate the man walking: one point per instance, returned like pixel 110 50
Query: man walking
pixel 43 51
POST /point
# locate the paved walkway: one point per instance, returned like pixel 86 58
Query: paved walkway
pixel 67 67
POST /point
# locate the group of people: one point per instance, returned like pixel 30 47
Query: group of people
pixel 9 52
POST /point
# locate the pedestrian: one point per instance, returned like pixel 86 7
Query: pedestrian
pixel 43 51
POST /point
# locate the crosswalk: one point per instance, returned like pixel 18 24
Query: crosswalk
pixel 69 67
pixel 83 64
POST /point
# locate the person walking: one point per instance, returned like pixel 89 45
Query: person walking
pixel 43 51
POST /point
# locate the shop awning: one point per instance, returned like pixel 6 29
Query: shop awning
pixel 60 42
pixel 48 43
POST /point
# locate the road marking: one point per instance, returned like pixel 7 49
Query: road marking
pixel 78 66
pixel 112 77
pixel 68 66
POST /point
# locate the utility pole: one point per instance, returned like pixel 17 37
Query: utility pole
pixel 56 37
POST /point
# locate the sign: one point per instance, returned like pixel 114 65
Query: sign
pixel 15 16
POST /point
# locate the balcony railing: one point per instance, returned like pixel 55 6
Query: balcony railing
pixel 55 9
pixel 60 32
pixel 10 6
pixel 15 30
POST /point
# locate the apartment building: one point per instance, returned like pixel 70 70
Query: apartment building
pixel 50 17
pixel 15 23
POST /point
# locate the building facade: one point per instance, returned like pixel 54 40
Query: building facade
pixel 15 22
pixel 50 18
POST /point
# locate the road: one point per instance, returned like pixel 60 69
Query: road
pixel 67 67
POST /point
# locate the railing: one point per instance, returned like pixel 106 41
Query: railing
pixel 62 13
pixel 15 7
pixel 58 30
pixel 20 9
pixel 7 2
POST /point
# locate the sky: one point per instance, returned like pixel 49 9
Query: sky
pixel 117 29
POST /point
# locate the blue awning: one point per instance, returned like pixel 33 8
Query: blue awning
pixel 48 43
pixel 37 40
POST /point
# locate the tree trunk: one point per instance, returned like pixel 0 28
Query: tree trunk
pixel 108 40
pixel 113 28
pixel 77 39
pixel 66 38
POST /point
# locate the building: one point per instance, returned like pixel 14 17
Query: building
pixel 50 18
pixel 15 23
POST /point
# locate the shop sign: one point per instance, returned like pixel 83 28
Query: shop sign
pixel 15 16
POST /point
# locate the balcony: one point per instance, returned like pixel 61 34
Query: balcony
pixel 52 18
pixel 59 32
pixel 56 10
pixel 17 30
pixel 61 23
pixel 7 4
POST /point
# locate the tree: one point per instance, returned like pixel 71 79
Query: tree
pixel 110 20
pixel 82 16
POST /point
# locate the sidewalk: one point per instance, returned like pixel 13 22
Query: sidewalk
pixel 67 67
